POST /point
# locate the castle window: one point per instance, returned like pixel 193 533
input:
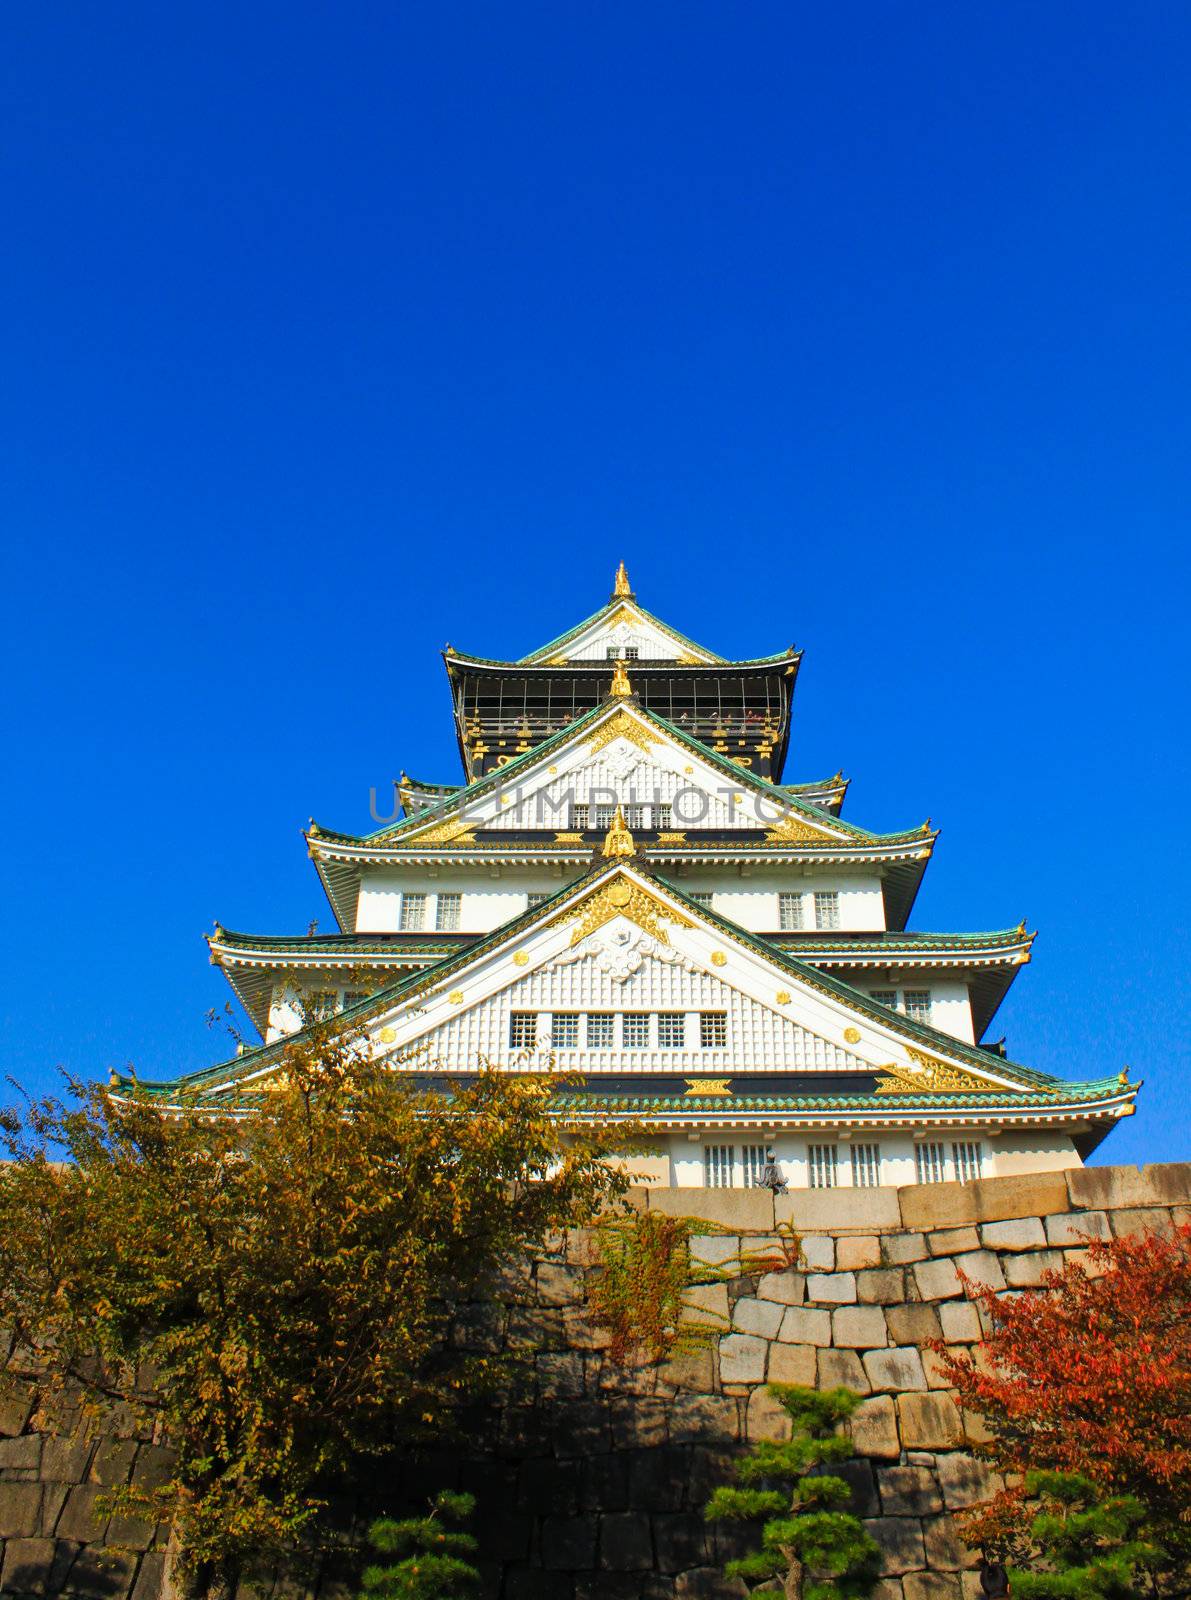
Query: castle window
pixel 713 1030
pixel 886 997
pixel 752 1158
pixel 632 652
pixel 578 819
pixel 662 814
pixel 635 1030
pixel 634 817
pixel 969 1160
pixel 523 1030
pixel 929 1159
pixel 917 1004
pixel 352 997
pixel 321 1004
pixel 671 1030
pixel 789 912
pixel 535 897
pixel 827 908
pixel 603 818
pixel 866 1166
pixel 717 1166
pixel 447 919
pixel 564 1030
pixel 413 913
pixel 822 1165
pixel 702 898
pixel 600 1030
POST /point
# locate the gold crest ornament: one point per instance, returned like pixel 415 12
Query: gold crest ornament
pixel 621 687
pixel 621 588
pixel 618 841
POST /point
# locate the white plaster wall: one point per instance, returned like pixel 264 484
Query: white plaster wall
pixel 489 898
pixel 1033 1152
pixel 751 901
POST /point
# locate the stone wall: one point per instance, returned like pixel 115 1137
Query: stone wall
pixel 591 1477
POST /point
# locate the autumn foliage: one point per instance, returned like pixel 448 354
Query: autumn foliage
pixel 1090 1375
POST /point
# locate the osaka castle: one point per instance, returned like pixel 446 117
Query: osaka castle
pixel 624 888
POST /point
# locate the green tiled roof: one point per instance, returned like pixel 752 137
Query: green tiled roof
pixel 614 605
pixel 578 1101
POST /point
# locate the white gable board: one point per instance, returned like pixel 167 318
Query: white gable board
pixel 627 628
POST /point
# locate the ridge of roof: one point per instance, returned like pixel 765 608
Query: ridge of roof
pixel 616 603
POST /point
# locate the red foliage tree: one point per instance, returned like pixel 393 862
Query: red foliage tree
pixel 1091 1373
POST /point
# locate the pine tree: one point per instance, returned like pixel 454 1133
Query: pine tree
pixel 433 1564
pixel 807 1538
pixel 1085 1544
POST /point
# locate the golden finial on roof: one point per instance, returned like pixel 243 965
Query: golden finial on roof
pixel 1124 1078
pixel 618 841
pixel 621 687
pixel 622 588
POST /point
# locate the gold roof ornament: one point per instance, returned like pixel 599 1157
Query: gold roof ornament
pixel 621 687
pixel 618 841
pixel 621 587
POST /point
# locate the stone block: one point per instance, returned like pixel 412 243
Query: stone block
pixel 831 1288
pixel 945 1550
pixel 1077 1227
pixel 53 1498
pixel 547 1487
pixel 937 1280
pixel 784 1288
pixel 902 1249
pixel 881 1286
pixel 895 1370
pixel 737 1210
pixel 21 1454
pixel 887 1589
pixel 859 1327
pixel 1134 1223
pixel 150 1580
pixel 1026 1271
pixel 931 1586
pixel 899 1539
pixel 705 1305
pixel 1019 1233
pixel 657 1478
pixel 909 1492
pixel 856 1251
pixel 681 1540
pixel 112 1462
pixel 569 1543
pixel 604 1483
pixel 817 1253
pixel 64 1460
pixel 841 1369
pixel 20 1510
pixel 1033 1194
pixel 960 1321
pixel 130 1533
pixel 861 1210
pixel 874 1429
pixel 929 1421
pixel 858 1475
pixel 767 1418
pixel 27 1566
pixel 936 1372
pixel 704 1418
pixel 706 1583
pixel 926 1206
pixel 762 1317
pixel 689 1369
pixel 949 1241
pixel 16 1407
pixel 626 1544
pixel 742 1358
pixel 805 1325
pixel 97 1571
pixel 913 1324
pixel 560 1375
pixel 792 1363
pixel 714 1249
pixel 1120 1188
pixel 963 1480
pixel 643 1422
pixel 983 1270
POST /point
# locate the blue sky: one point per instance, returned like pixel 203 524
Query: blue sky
pixel 332 334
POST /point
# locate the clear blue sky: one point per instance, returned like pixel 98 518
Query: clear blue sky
pixel 334 333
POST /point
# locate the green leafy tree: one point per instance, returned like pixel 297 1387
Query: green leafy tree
pixel 820 1550
pixel 433 1551
pixel 269 1282
pixel 1083 1543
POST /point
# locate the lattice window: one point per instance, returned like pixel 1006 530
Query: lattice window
pixel 635 1030
pixel 601 1030
pixel 789 912
pixel 917 1004
pixel 632 652
pixel 634 817
pixel 827 908
pixel 535 897
pixel 322 1004
pixel 447 920
pixel 662 815
pixel 671 1030
pixel 886 997
pixel 822 1162
pixel 930 1162
pixel 752 1161
pixel 717 1166
pixel 713 1030
pixel 969 1160
pixel 523 1030
pixel 352 997
pixel 603 817
pixel 701 897
pixel 866 1166
pixel 578 819
pixel 564 1030
pixel 413 913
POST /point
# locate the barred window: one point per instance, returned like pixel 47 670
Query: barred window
pixel 634 817
pixel 564 1030
pixel 713 1030
pixel 969 1160
pixel 578 818
pixel 603 817
pixel 789 911
pixel 752 1160
pixel 523 1030
pixel 917 1004
pixel 701 897
pixel 866 1166
pixel 929 1159
pixel 632 652
pixel 352 997
pixel 635 1030
pixel 322 1004
pixel 822 1165
pixel 827 908
pixel 413 912
pixel 717 1166
pixel 671 1030
pixel 886 997
pixel 448 912
pixel 600 1030
pixel 535 897
pixel 662 814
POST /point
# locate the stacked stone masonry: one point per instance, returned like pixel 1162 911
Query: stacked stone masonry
pixel 590 1477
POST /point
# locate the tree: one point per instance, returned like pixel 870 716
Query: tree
pixel 821 1551
pixel 1091 1375
pixel 1082 1543
pixel 284 1269
pixel 433 1553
